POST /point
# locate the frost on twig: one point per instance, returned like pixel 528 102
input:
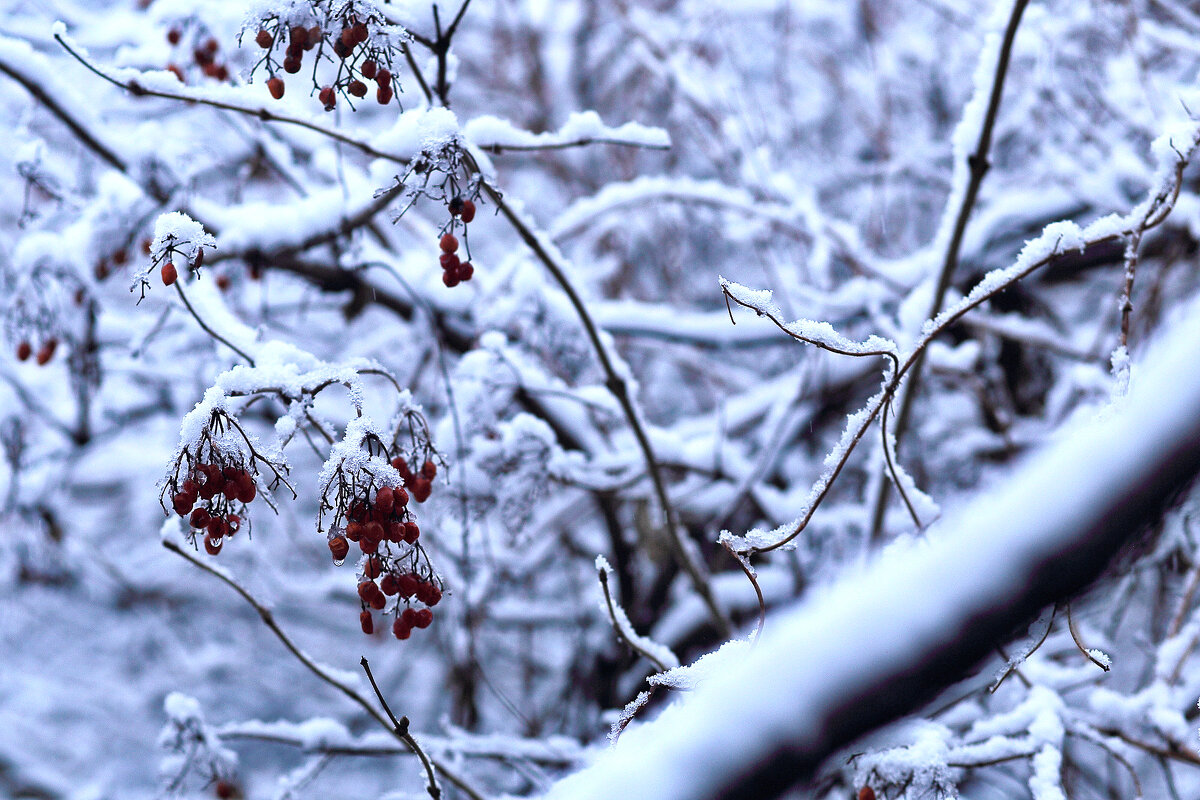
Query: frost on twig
pixel 660 655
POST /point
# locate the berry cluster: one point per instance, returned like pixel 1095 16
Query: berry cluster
pixel 359 55
pixel 208 496
pixel 204 56
pixel 394 564
pixel 455 270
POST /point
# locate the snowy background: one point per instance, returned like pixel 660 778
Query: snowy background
pixel 741 257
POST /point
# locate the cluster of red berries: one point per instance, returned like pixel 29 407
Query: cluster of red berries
pixel 358 60
pixel 204 55
pixel 207 496
pixel 45 351
pixel 378 523
pixel 455 270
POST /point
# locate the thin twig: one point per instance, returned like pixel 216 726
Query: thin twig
pixel 1079 642
pixel 208 330
pixel 612 617
pixel 400 729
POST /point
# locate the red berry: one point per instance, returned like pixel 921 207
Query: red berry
pixel 424 618
pixel 46 351
pixel 169 273
pixel 465 271
pixel 147 243
pixel 339 547
pixel 368 545
pixel 213 545
pixel 341 49
pixel 346 39
pixel 377 601
pixel 365 590
pixel 233 524
pixel 359 32
pixel 199 518
pixel 211 45
pixel 449 261
pixel 315 34
pixel 357 88
pixel 225 790
pixel 291 65
pixel 372 567
pixel 201 56
pixel 400 629
pixel 450 278
pixel 401 466
pixel 101 270
pixel 401 498
pixel 383 78
pixel 328 98
pixel 182 502
pixel 248 491
pixel 218 528
pixel 299 35
pixel 411 532
pixel 448 243
pixel 368 69
pixel 866 793
pixel 384 499
pixel 120 257
pixel 433 596
pixel 354 531
pixel 174 35
pixel 24 351
pixel 177 71
pixel 408 584
pixel 275 87
pixel 421 489
pixel 429 470
pixel 264 39
pixel 368 624
pixel 468 211
pixel 390 585
pixel 456 205
pixel 383 95
pixel 409 616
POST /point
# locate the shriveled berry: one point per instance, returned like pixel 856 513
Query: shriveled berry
pixel 46 351
pixel 400 629
pixel 264 39
pixel 465 271
pixel 468 211
pixel 24 351
pixel 423 619
pixel 212 544
pixel 357 88
pixel 182 502
pixel 365 590
pixel 373 530
pixel 368 624
pixel 383 95
pixel 339 548
pixel 198 260
pixel 389 585
pixel 377 601
pixel 275 87
pixel 429 470
pixel 169 273
pixel 200 518
pixel 368 69
pixel 368 545
pixel 328 98
pixel 449 243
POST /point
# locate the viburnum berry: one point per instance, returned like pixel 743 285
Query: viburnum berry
pixel 449 243
pixel 455 206
pixel 411 532
pixel 341 49
pixel 384 500
pixel 423 618
pixel 389 584
pixel 169 273
pixel 400 629
pixel 340 548
pixel 433 595
pixel 368 69
pixel 409 616
pixel 120 257
pixel 182 502
pixel 213 545
pixel 24 351
pixel 408 584
pixel 291 65
pixel 359 32
pixel 372 567
pixel 224 282
pixel 299 35
pixel 46 351
pixel 225 790
pixel 264 39
pixel 347 38
pixel 420 489
pixel 199 518
pixel 866 793
pixel 233 524
pixel 465 271
pixel 212 45
pixel 174 35
pixel 450 278
pixel 429 470
pixel 218 528
pixel 383 95
pixel 468 211
pixel 177 71
pixel 357 88
pixel 449 261
pixel 368 624
pixel 383 78
pixel 328 98
pixel 275 87
pixel 368 546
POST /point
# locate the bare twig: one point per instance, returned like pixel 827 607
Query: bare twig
pixel 401 732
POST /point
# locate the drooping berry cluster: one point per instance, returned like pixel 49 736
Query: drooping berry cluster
pixel 362 48
pixel 212 485
pixel 455 270
pixel 395 571
pixel 204 55
pixel 169 249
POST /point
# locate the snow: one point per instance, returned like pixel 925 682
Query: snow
pixel 490 132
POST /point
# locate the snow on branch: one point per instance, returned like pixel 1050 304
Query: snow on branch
pixel 496 135
pixel 808 688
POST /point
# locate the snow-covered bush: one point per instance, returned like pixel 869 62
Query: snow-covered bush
pixel 655 366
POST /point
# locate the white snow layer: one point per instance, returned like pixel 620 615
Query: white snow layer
pixel 855 632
